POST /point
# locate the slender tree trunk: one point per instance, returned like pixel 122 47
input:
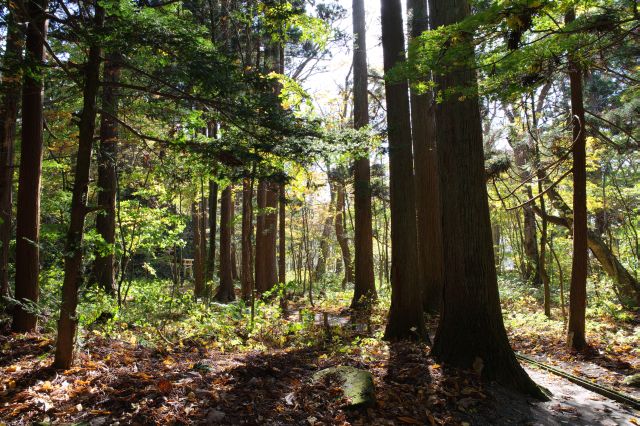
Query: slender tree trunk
pixel 323 256
pixel 365 285
pixel 271 230
pixel 260 258
pixel 246 273
pixel 471 333
pixel 10 93
pixel 68 321
pixel 104 264
pixel 426 179
pixel 282 237
pixel 405 314
pixel 199 288
pixel 28 206
pixel 226 290
pixel 341 234
pixel 578 290
pixel 213 211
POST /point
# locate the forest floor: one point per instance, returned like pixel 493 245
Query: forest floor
pixel 123 382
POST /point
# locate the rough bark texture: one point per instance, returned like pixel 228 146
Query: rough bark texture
pixel 260 258
pixel 226 292
pixel 405 315
pixel 213 212
pixel 282 236
pixel 271 234
pixel 8 113
pixel 323 256
pixel 246 259
pixel 68 321
pixel 471 333
pixel 104 264
pixel 28 206
pixel 426 179
pixel 341 234
pixel 199 287
pixel 579 264
pixel 365 288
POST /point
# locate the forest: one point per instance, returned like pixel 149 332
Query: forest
pixel 320 212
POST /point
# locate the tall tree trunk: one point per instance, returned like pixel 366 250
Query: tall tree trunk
pixel 341 234
pixel 579 264
pixel 405 314
pixel 104 264
pixel 226 290
pixel 28 206
pixel 199 288
pixel 271 231
pixel 68 321
pixel 213 211
pixel 246 271
pixel 365 286
pixel 10 93
pixel 323 255
pixel 426 179
pixel 282 235
pixel 260 257
pixel 471 333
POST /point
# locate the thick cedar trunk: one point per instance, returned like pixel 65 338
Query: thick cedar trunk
pixel 104 264
pixel 282 236
pixel 213 211
pixel 68 321
pixel 405 314
pixel 271 231
pixel 364 288
pixel 260 257
pixel 579 264
pixel 426 179
pixel 341 234
pixel 226 292
pixel 8 113
pixel 199 287
pixel 471 333
pixel 28 206
pixel 246 259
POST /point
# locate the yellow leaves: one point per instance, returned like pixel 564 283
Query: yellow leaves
pixel 12 369
pixel 46 386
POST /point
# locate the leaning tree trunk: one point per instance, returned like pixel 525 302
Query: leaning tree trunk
pixel 365 285
pixel 68 321
pixel 405 314
pixel 8 112
pixel 28 205
pixel 471 333
pixel 226 292
pixel 104 264
pixel 426 179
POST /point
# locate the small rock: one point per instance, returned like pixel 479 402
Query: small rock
pixel 357 385
pixel 215 417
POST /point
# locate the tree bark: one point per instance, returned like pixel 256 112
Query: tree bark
pixel 282 235
pixel 104 264
pixel 578 287
pixel 8 112
pixel 199 288
pixel 226 292
pixel 426 179
pixel 364 285
pixel 213 211
pixel 28 205
pixel 68 321
pixel 246 271
pixel 341 234
pixel 405 314
pixel 471 333
pixel 260 257
pixel 271 233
